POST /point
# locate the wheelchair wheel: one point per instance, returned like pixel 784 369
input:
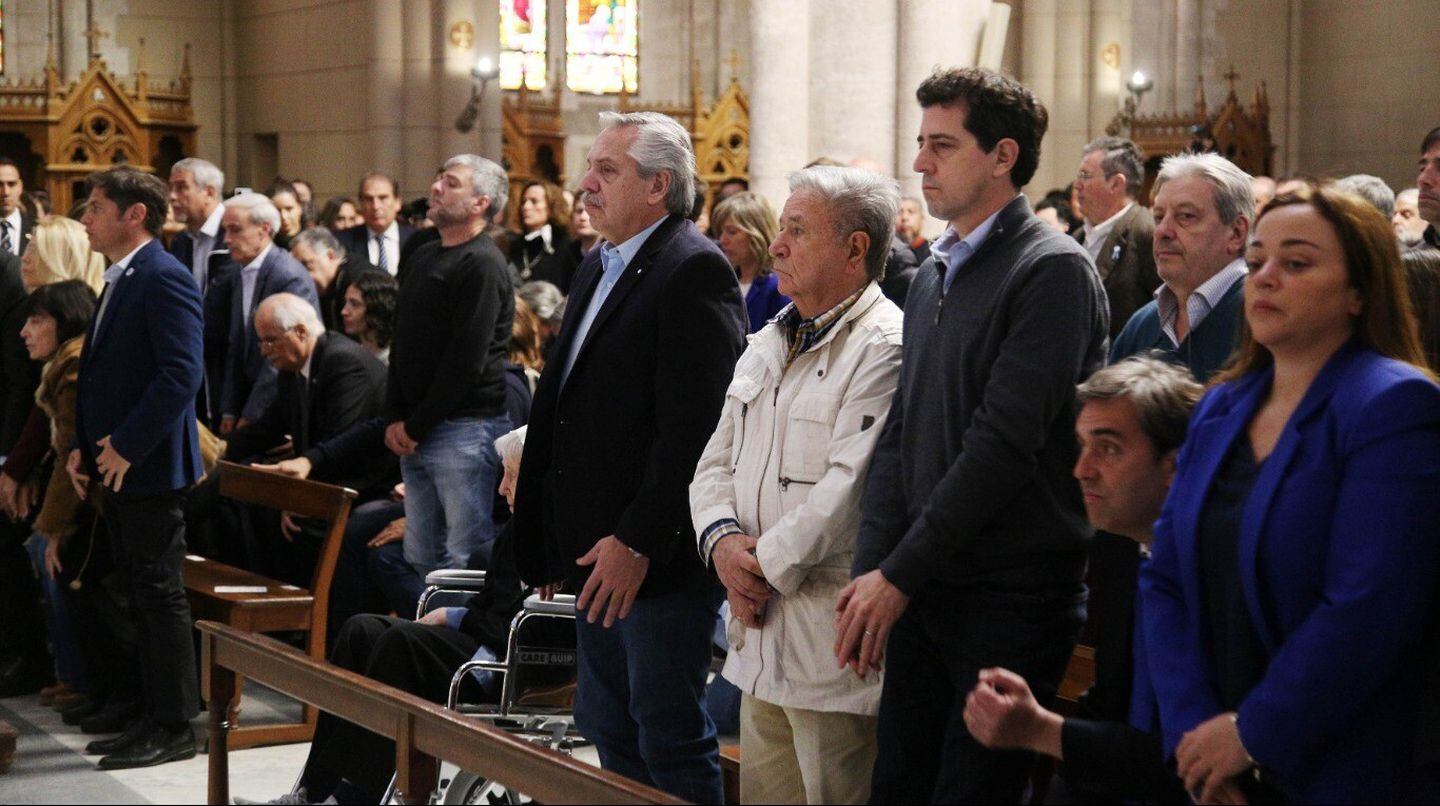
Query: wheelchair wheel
pixel 470 788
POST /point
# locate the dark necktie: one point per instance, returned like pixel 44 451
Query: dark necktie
pixel 382 260
pixel 6 242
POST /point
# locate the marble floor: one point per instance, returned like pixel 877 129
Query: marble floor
pixel 50 765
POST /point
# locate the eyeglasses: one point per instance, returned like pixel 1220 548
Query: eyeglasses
pixel 269 341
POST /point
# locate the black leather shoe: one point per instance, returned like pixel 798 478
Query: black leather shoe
pixel 74 714
pixel 133 731
pixel 157 745
pixel 113 718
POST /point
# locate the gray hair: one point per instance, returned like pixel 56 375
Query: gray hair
pixel 318 239
pixel 204 172
pixel 262 211
pixel 661 144
pixel 545 300
pixel 1122 157
pixel 486 179
pixel 1233 195
pixel 512 445
pixel 290 310
pixel 857 200
pixel 1162 393
pixel 1372 189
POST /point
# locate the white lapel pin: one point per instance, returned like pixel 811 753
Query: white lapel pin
pixel 129 271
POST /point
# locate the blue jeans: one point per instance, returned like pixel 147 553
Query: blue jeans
pixel 69 660
pixel 450 485
pixel 641 694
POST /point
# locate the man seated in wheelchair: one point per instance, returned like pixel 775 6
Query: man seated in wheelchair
pixel 354 765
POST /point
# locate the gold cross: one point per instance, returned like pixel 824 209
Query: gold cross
pixel 734 62
pixel 93 34
pixel 1232 77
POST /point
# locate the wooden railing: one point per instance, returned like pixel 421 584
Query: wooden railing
pixel 423 731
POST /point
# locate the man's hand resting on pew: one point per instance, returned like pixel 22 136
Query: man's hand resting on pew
pixel 299 468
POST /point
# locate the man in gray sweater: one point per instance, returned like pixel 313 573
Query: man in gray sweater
pixel 972 548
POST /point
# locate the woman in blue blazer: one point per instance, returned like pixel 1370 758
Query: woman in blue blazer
pixel 1298 551
pixel 746 226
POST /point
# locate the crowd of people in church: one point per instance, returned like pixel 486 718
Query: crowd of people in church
pixel 883 483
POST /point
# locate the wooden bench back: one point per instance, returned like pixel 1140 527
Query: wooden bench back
pixel 310 499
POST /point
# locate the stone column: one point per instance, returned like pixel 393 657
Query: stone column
pixel 386 90
pixel 779 94
pixel 932 33
pixel 421 96
pixel 487 43
pixel 853 80
pixel 1188 66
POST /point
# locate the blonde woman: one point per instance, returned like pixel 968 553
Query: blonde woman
pixel 746 225
pixel 59 250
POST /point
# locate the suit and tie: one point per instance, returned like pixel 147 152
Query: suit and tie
pixel 15 232
pixel 214 277
pixel 364 248
pixel 1126 262
pixel 249 379
pixel 140 371
pixel 345 387
pixel 620 416
pixel 1337 557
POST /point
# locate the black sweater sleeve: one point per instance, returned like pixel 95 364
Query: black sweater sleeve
pixel 1114 761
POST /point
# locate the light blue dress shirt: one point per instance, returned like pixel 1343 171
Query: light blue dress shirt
pixel 952 251
pixel 615 259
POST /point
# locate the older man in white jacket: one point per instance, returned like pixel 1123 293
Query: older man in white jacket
pixel 776 496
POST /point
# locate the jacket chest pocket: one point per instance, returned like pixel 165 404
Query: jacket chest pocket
pixel 806 453
pixel 740 401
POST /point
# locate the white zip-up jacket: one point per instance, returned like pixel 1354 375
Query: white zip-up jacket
pixel 788 461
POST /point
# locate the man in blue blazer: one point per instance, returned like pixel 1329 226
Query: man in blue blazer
pixel 136 438
pixel 249 224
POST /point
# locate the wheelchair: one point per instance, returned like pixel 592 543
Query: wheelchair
pixel 538 719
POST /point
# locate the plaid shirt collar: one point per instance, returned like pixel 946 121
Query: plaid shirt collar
pixel 802 334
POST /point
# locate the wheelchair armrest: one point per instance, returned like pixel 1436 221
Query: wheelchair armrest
pixel 456 578
pixel 562 605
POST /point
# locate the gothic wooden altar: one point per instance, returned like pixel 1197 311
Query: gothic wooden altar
pixel 60 133
pixel 1238 132
pixel 533 132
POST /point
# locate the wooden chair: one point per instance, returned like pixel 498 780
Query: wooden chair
pixel 262 604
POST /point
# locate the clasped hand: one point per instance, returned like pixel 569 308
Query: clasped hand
pixel 613 583
pixel 864 614
pixel 744 580
pixel 1210 757
pixel 111 464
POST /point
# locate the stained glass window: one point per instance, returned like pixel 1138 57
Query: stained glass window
pixel 602 45
pixel 522 44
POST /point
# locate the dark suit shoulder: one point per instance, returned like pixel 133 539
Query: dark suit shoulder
pixel 335 350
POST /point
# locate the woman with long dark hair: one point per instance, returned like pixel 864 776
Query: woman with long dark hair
pixel 369 311
pixel 543 252
pixel 1296 559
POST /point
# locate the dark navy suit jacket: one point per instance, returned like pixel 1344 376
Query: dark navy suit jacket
pixel 215 298
pixel 249 378
pixel 140 372
pixel 1339 556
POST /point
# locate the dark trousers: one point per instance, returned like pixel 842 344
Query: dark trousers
pixel 640 695
pixel 932 661
pixel 412 657
pixel 352 591
pixel 148 544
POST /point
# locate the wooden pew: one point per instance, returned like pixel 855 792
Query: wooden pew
pixel 423 731
pixel 212 586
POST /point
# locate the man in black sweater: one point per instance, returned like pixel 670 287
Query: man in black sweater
pixel 972 544
pixel 1131 425
pixel 446 399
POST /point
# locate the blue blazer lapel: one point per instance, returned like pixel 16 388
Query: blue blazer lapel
pixel 633 274
pixel 1213 440
pixel 118 291
pixel 1267 484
